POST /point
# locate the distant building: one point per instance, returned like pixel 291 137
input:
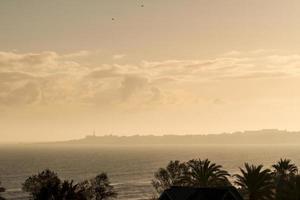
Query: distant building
pixel 90 137
pixel 93 136
pixel 190 193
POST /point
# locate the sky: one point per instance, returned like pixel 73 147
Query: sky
pixel 127 67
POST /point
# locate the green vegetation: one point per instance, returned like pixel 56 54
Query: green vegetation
pixel 204 173
pixel 172 175
pixel 287 180
pixel 46 185
pixel 254 182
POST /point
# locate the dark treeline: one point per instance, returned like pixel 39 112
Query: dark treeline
pixel 254 182
pixel 268 136
pixel 46 185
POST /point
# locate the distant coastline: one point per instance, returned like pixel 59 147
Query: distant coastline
pixel 265 136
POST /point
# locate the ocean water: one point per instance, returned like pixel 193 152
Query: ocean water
pixel 130 168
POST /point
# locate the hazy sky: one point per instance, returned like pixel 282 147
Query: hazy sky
pixel 169 67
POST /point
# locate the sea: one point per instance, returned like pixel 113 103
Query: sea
pixel 130 168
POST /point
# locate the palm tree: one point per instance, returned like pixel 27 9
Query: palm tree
pixel 284 171
pixel 284 167
pixel 256 182
pixel 204 173
pixel 291 189
pixel 172 175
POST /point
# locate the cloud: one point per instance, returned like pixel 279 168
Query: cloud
pixel 48 78
pixel 118 56
pixel 131 85
pixel 42 63
pixel 82 53
pixel 235 65
pixel 23 95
